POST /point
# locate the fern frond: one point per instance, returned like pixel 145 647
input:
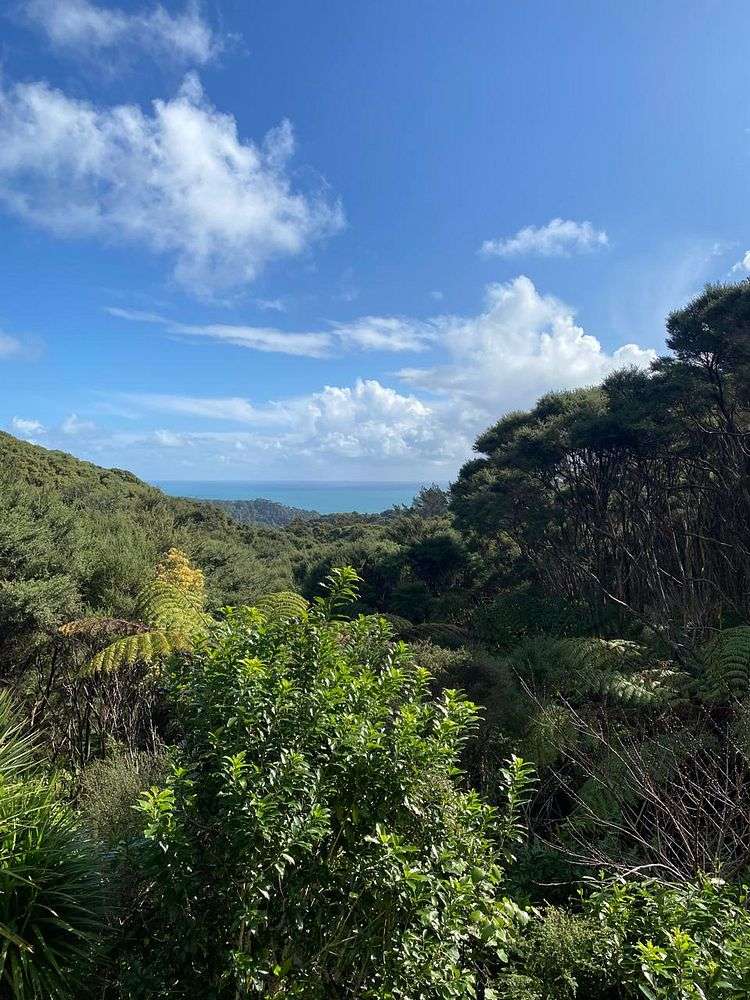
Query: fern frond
pixel 146 647
pixel 163 605
pixel 654 686
pixel 101 628
pixel 726 661
pixel 172 618
pixel 283 605
pixel 579 656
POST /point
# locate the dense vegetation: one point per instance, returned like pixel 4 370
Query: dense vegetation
pixel 263 511
pixel 235 762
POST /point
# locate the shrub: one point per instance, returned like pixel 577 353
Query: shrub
pixel 570 956
pixel 687 942
pixel 313 840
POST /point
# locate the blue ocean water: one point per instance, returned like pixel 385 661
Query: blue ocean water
pixel 326 498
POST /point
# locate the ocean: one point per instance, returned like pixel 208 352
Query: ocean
pixel 326 498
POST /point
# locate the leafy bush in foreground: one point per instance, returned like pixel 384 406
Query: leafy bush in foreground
pixel 314 841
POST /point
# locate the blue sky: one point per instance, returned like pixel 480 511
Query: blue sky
pixel 288 240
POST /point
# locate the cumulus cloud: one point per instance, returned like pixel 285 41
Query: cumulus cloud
pixel 179 181
pixel 742 266
pixel 26 427
pixel 559 238
pixel 79 27
pixel 523 344
pixel 369 333
pixel 366 422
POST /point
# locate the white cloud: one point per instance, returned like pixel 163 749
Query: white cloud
pixel 742 266
pixel 80 27
pixel 74 425
pixel 522 345
pixel 369 333
pixel 179 181
pixel 10 347
pixel 385 333
pixel 310 345
pixel 227 408
pixel 366 422
pixel 25 427
pixel 559 238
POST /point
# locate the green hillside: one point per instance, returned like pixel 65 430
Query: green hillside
pixel 121 521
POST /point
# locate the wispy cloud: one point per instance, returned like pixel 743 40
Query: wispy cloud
pixel 310 345
pixel 369 333
pixel 559 238
pixel 79 27
pixel 385 333
pixel 179 181
pixel 270 305
pixel 742 266
pixel 73 425
pixel 231 408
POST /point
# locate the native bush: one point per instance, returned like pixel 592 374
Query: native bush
pixel 313 839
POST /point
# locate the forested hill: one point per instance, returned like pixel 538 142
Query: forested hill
pixel 36 466
pixel 262 511
pixel 109 527
pixel 73 479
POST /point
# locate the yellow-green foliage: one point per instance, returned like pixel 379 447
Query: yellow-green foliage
pixel 726 661
pixel 283 605
pixel 147 647
pixel 172 619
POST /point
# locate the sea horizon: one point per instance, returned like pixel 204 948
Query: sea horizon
pixel 325 497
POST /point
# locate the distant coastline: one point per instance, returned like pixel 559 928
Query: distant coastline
pixel 308 497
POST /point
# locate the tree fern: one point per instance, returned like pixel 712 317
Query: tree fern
pixel 172 619
pixel 146 647
pixel 550 730
pixel 618 670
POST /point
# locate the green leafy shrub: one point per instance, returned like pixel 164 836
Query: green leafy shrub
pixel 688 942
pixel 313 840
